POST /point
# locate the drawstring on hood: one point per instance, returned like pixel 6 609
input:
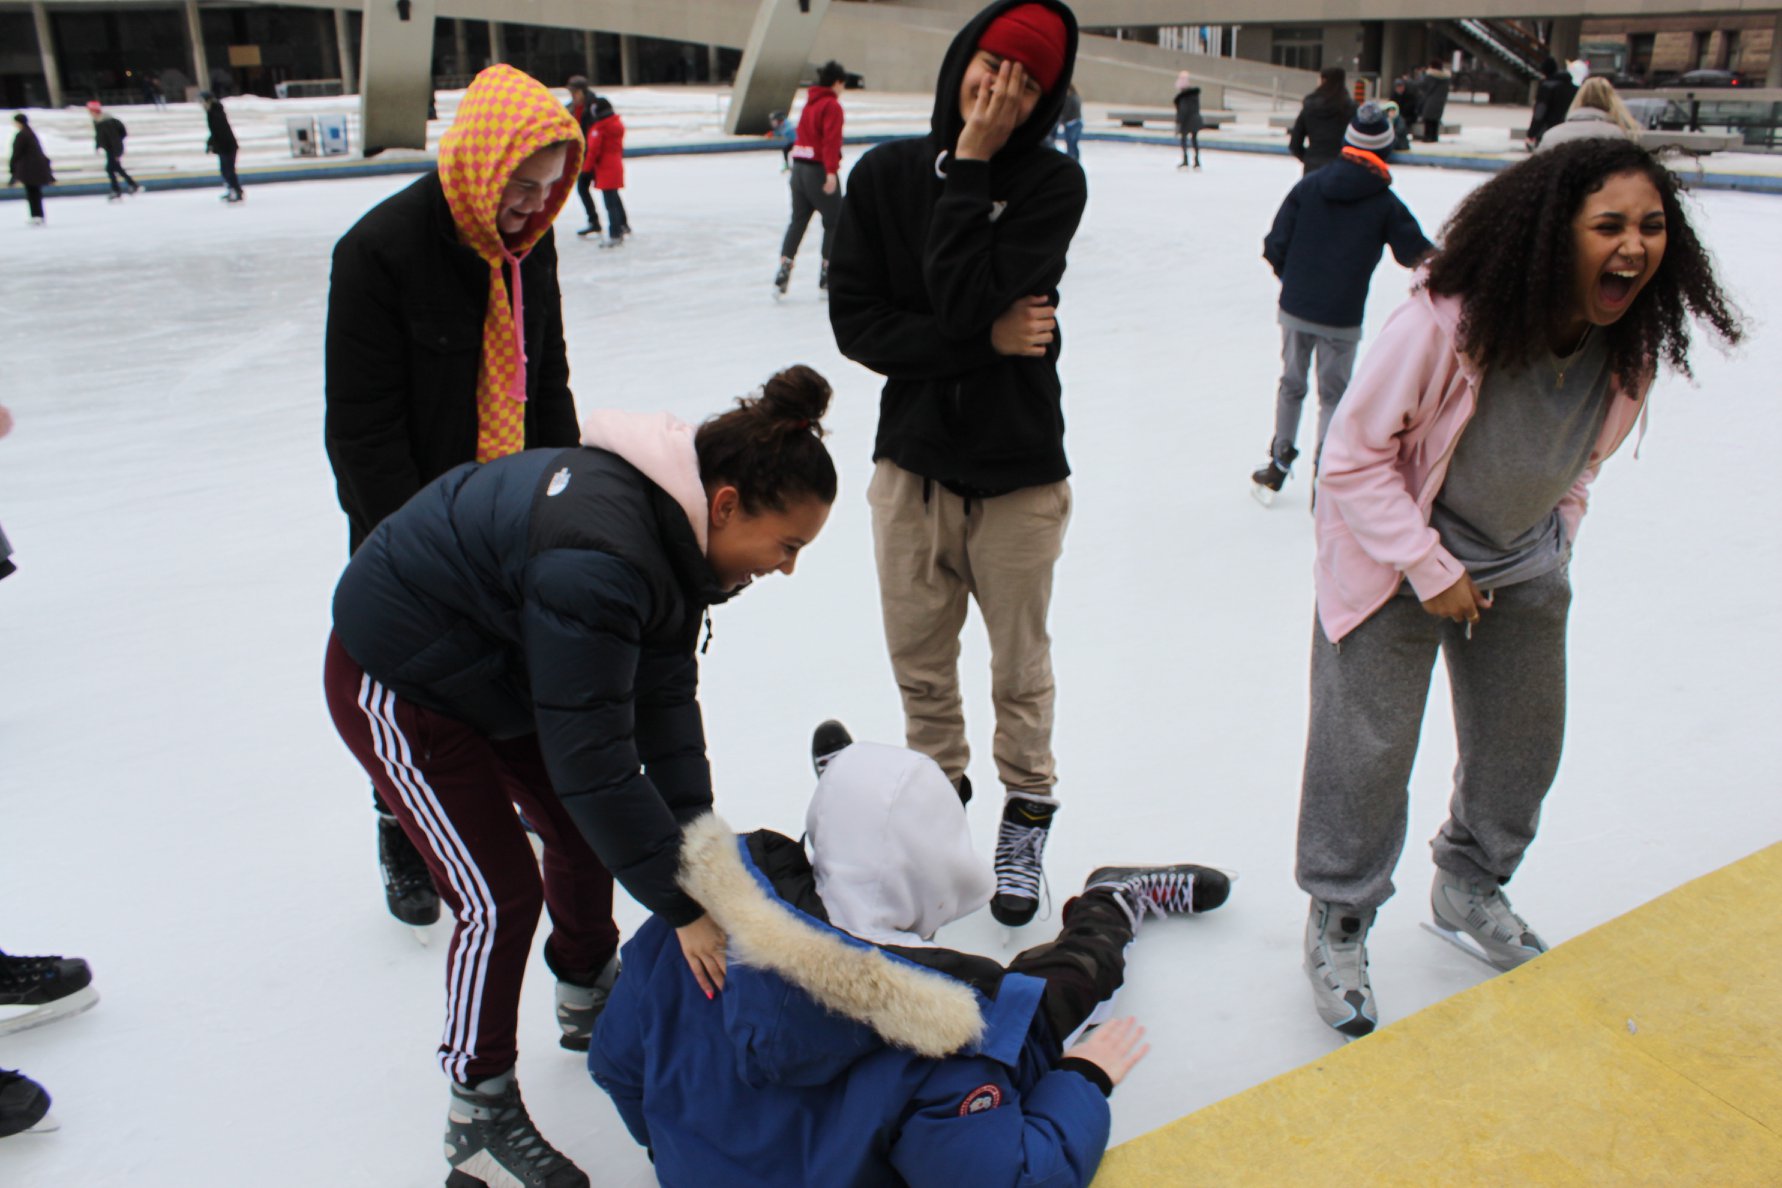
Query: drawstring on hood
pixel 505 117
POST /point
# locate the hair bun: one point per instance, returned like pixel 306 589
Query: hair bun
pixel 796 394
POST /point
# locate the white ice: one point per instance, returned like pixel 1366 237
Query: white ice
pixel 179 811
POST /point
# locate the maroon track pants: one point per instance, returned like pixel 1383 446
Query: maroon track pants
pixel 454 791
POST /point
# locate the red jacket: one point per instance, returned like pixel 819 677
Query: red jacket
pixel 606 153
pixel 820 130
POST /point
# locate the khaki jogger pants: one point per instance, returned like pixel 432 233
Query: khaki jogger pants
pixel 935 548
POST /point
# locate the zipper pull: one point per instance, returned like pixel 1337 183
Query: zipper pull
pixel 708 631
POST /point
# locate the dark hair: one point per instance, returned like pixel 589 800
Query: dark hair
pixel 1549 66
pixel 770 446
pixel 1332 81
pixel 19 119
pixel 1508 252
pixel 577 82
pixel 830 73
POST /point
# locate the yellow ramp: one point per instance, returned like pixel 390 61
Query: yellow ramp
pixel 1647 1051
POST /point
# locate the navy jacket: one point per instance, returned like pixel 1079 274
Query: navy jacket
pixel 1327 239
pixel 556 591
pixel 928 254
pixel 790 1079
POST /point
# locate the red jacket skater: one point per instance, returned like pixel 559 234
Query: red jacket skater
pixel 820 130
pixel 606 148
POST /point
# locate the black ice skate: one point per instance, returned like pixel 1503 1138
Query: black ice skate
pixel 39 990
pixel 782 278
pixel 24 1105
pixel 590 229
pixel 491 1142
pixel 1020 849
pixel 827 740
pixel 1266 483
pixel 823 278
pixel 408 887
pixel 1181 890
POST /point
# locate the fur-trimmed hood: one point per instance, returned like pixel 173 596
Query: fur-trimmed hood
pixel 806 1000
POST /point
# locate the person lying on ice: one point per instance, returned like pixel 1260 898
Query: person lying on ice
pixel 846 1047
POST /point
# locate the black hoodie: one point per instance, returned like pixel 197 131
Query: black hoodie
pixel 930 251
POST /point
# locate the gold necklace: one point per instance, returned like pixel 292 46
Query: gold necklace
pixel 1560 363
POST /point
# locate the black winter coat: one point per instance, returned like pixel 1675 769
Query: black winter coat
pixel 1188 111
pixel 108 136
pixel 222 136
pixel 1553 99
pixel 556 591
pixel 404 345
pixel 29 166
pixel 1327 239
pixel 1317 135
pixel 924 264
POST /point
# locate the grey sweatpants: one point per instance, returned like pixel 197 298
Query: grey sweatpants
pixel 1336 360
pixel 808 198
pixel 1508 688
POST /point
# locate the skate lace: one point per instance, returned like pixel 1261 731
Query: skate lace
pixel 517 1132
pixel 1019 849
pixel 1161 894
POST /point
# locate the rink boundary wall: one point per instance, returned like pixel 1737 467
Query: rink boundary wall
pixel 1704 180
pixel 1641 1052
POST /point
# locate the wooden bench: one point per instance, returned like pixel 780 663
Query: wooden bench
pixel 1138 117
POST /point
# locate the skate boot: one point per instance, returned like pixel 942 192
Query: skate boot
pixel 590 229
pixel 1181 890
pixel 1480 920
pixel 1020 848
pixel 39 990
pixel 408 887
pixel 24 1105
pixel 491 1142
pixel 783 277
pixel 823 278
pixel 1266 483
pixel 827 740
pixel 1336 963
pixel 579 1006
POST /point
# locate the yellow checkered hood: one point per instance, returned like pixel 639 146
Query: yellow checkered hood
pixel 505 117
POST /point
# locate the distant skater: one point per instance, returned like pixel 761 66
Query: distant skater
pixel 222 142
pixel 816 172
pixel 108 138
pixel 606 154
pixel 30 168
pixel 1188 119
pixel 581 107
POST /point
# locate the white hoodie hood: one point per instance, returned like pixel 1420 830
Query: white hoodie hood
pixel 889 844
pixel 661 447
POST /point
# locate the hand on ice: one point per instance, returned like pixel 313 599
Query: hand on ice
pixel 702 944
pixel 1113 1047
pixel 1025 328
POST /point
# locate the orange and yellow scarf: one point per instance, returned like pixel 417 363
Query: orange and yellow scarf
pixel 505 117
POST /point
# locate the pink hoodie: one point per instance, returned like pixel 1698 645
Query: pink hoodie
pixel 1387 452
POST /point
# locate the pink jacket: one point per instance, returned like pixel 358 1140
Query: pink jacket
pixel 1387 452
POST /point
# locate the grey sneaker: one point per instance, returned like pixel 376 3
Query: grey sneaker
pixel 491 1142
pixel 1468 911
pixel 579 1006
pixel 1336 964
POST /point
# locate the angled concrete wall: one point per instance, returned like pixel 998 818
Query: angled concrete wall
pixel 398 76
pixel 773 62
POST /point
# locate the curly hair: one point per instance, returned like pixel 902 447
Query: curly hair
pixel 1509 253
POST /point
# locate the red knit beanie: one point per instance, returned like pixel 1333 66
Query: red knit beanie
pixel 1032 35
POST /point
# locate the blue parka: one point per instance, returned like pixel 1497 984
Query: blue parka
pixel 828 1060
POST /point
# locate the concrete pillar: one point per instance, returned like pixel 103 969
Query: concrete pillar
pixel 460 48
pixel 349 62
pixel 1773 76
pixel 195 33
pixel 497 44
pixel 1395 52
pixel 628 70
pixel 52 73
pixel 396 83
pixel 773 62
pixel 588 57
pixel 1567 33
pixel 712 64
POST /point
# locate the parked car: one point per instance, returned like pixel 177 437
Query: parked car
pixel 1708 78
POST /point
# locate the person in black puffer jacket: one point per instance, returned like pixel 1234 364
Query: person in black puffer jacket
pixel 1553 98
pixel 1317 135
pixel 945 281
pixel 521 634
pixel 222 142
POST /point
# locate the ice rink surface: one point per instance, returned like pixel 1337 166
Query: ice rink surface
pixel 178 810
